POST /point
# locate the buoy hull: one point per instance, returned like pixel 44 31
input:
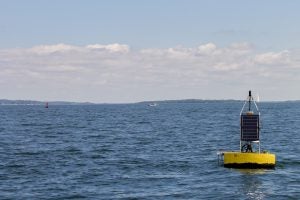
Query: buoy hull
pixel 249 160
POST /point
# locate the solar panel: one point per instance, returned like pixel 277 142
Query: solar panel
pixel 249 127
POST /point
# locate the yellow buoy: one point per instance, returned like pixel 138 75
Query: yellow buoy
pixel 250 129
pixel 248 160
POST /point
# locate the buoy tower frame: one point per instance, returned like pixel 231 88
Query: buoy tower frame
pixel 246 144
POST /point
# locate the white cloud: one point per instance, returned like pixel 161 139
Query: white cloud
pixel 114 73
pixel 244 46
pixel 271 58
pixel 47 49
pixel 122 48
pixel 207 49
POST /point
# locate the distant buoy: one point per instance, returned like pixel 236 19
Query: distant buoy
pixel 248 157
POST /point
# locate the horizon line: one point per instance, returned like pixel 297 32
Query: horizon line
pixel 144 101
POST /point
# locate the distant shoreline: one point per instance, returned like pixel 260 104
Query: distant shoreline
pixel 39 103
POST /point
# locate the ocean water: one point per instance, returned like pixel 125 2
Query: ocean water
pixel 134 151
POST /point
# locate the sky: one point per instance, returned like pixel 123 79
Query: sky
pixel 136 50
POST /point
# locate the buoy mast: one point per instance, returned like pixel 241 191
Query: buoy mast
pixel 249 100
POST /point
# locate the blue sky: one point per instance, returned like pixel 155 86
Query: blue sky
pixel 141 23
pixel 212 43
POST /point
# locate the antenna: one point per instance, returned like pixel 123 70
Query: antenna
pixel 250 96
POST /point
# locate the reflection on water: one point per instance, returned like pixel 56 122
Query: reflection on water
pixel 253 171
pixel 252 187
pixel 252 183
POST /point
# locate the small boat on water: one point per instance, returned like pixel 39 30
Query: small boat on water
pixel 153 104
pixel 248 157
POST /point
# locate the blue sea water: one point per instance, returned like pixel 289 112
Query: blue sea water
pixel 134 151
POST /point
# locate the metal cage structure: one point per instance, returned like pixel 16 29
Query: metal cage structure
pixel 249 125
